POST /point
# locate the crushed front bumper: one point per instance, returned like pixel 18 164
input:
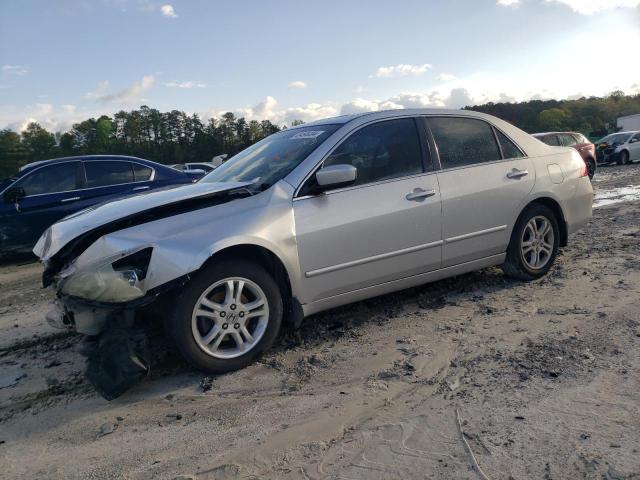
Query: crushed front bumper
pixel 115 347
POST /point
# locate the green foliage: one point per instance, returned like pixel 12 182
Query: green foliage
pixel 171 137
pixel 593 116
pixel 553 119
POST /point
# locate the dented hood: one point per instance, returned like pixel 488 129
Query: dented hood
pixel 123 213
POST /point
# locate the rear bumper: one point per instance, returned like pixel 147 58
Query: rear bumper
pixel 579 208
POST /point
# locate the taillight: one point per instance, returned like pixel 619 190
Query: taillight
pixel 584 171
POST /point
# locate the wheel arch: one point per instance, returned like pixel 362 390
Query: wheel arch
pixel 555 207
pixel 272 263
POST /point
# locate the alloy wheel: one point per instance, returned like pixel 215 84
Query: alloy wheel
pixel 230 318
pixel 536 245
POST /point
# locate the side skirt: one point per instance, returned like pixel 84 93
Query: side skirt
pixel 401 284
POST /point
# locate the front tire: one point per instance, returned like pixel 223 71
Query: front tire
pixel 534 244
pixel 624 158
pixel 227 316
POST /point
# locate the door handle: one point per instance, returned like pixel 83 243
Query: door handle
pixel 515 173
pixel 70 199
pixel 419 194
pixel 141 188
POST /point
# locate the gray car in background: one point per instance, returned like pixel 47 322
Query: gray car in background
pixel 308 219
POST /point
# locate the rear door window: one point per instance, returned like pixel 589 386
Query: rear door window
pixel 142 173
pixel 463 141
pixel 382 151
pixel 568 140
pixel 105 173
pixel 551 140
pixel 58 178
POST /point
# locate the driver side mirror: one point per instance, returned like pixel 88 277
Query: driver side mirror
pixel 336 176
pixel 634 140
pixel 14 194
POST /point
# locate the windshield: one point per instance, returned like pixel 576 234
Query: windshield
pixel 272 158
pixel 615 138
pixel 5 183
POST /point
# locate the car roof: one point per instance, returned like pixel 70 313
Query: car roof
pixel 399 112
pixel 30 166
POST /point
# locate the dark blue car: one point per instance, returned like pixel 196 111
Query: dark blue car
pixel 44 192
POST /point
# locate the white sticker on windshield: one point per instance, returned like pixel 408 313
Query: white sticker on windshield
pixel 307 134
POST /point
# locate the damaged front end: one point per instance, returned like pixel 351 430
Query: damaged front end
pixel 101 263
pixel 101 301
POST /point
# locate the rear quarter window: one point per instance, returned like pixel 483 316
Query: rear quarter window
pixel 509 149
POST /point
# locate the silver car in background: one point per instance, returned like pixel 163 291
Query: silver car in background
pixel 308 219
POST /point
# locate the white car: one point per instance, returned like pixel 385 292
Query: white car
pixel 311 218
pixel 621 147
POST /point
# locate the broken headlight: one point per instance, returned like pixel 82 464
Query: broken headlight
pixel 112 282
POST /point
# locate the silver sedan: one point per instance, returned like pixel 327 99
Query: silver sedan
pixel 315 217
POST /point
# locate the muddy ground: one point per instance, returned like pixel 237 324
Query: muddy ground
pixel 544 377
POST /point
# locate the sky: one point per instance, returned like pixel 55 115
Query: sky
pixel 68 60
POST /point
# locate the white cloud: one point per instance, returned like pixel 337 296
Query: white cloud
pixel 585 7
pixel 589 7
pixel 360 105
pixel 401 70
pixel 168 11
pixel 187 84
pixel 129 94
pixel 18 70
pixel 446 77
pixel 52 118
pixel 100 90
pixel 298 85
pixel 269 109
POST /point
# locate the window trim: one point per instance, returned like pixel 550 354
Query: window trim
pixel 423 161
pixel 494 129
pixel 83 177
pixel 84 173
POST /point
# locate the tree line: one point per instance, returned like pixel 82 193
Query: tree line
pixel 177 137
pixel 171 137
pixel 594 117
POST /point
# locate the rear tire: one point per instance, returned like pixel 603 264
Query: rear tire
pixel 228 315
pixel 534 243
pixel 591 167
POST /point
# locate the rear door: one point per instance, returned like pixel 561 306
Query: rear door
pixel 52 192
pixel 384 227
pixel 484 182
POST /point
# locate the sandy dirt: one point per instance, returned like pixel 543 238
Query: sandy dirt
pixel 544 375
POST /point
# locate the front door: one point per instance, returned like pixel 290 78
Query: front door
pixel 484 181
pixel 384 227
pixel 51 193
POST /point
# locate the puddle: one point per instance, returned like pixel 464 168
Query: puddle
pixel 603 198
